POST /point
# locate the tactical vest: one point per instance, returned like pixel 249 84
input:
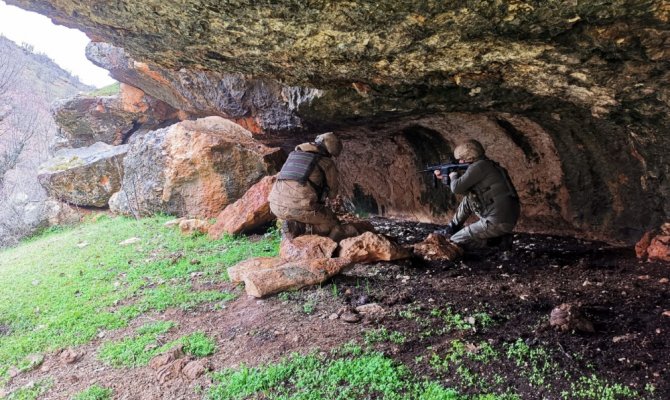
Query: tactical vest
pixel 502 188
pixel 298 167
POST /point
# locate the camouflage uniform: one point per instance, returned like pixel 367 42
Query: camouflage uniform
pixel 491 196
pixel 294 201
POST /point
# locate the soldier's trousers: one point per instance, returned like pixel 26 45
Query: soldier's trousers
pixel 476 234
pixel 319 221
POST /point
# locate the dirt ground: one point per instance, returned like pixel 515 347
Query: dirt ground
pixel 623 298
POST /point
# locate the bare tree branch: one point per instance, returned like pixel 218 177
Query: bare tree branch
pixel 9 70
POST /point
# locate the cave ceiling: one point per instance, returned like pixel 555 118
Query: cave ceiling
pixel 384 58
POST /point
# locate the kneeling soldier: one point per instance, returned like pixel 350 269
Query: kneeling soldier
pixel 490 195
pixel 308 177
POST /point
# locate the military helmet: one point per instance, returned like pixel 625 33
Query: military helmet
pixel 330 142
pixel 469 150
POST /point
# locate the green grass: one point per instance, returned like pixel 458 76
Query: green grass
pixel 64 286
pixel 108 90
pixel 338 377
pixel 94 392
pixel 140 349
pixel 32 391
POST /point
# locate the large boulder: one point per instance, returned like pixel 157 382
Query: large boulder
pixel 249 212
pixel 84 120
pixel 86 176
pixel 192 168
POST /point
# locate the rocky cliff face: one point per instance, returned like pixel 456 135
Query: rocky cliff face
pixel 574 97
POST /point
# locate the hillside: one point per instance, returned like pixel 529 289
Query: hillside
pixel 30 82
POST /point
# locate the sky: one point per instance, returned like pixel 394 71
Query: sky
pixel 63 45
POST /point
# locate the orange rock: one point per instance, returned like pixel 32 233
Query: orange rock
pixel 642 245
pixel 370 247
pixel 251 211
pixel 191 226
pixel 70 356
pixel 437 247
pixel 659 249
pixel 307 247
pixel 194 369
pixel 132 99
pixel 238 272
pixel 568 317
pixel 292 275
pixel 166 358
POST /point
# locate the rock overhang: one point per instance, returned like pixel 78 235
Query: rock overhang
pixel 383 46
pixel 592 75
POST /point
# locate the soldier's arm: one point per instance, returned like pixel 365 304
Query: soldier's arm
pixel 465 182
pixel 331 177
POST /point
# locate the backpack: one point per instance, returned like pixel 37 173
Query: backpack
pixel 298 166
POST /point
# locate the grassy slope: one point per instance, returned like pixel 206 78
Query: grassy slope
pixel 59 289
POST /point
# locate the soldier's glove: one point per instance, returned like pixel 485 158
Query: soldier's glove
pixel 448 230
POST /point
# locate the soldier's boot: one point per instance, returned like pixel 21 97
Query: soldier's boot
pixel 503 243
pixel 506 242
pixel 292 229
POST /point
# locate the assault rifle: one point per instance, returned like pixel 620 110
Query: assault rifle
pixel 445 170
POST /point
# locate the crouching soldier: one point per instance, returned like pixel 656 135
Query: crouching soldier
pixel 306 180
pixel 490 195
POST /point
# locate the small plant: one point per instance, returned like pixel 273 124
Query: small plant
pixel 466 375
pixel 309 306
pixel 94 392
pixel 351 348
pixel 593 388
pixel 650 388
pixel 535 363
pixel 335 291
pixel 410 312
pixel 484 353
pixel 183 296
pixel 198 345
pixel 139 350
pixel 383 335
pixel 31 362
pixel 283 296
